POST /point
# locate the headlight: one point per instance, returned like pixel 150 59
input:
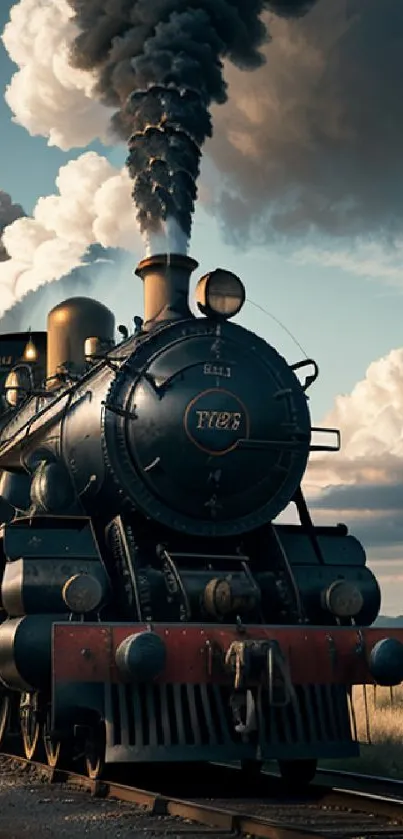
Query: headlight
pixel 18 385
pixel 220 294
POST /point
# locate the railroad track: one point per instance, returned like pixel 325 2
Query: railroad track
pixel 323 813
pixel 357 782
pixel 378 783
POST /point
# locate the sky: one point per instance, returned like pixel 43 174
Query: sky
pixel 327 264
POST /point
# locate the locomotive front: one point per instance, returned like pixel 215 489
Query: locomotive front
pixel 154 610
pixel 206 427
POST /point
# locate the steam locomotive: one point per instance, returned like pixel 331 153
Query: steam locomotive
pixel 152 608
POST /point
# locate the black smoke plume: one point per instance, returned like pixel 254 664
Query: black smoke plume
pixel 9 212
pixel 159 63
pixel 314 145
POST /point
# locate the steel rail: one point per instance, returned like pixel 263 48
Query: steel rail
pixel 371 780
pixel 347 781
pixel 237 821
pixel 354 783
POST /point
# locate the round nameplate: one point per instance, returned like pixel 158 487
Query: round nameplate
pixel 215 420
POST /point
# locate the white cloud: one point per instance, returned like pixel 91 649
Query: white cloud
pixel 372 260
pixel 47 96
pixel 363 484
pixel 93 205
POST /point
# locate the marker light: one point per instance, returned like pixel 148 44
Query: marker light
pixel 30 352
pixel 220 294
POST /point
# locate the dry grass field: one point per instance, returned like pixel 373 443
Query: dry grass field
pixel 382 737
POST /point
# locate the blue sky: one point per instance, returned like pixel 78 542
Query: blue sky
pixel 343 320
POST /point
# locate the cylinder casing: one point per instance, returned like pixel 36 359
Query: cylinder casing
pixel 22 669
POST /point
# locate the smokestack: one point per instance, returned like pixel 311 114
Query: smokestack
pixel 166 280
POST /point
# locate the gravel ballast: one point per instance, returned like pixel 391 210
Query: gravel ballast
pixel 32 807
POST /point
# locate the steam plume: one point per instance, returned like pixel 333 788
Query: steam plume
pixel 9 212
pixel 160 66
pixel 33 308
pixel 92 205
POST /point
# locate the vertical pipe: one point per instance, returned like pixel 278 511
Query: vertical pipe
pixel 166 280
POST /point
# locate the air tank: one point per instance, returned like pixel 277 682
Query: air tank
pixel 69 325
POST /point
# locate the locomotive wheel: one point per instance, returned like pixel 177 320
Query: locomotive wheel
pixel 297 774
pixel 55 750
pixel 95 751
pixel 30 724
pixel 5 707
